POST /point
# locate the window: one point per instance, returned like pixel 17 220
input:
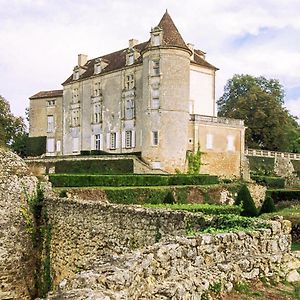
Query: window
pixel 155 68
pixel 76 75
pixel 209 141
pixel 97 115
pixel 97 68
pixel 113 140
pixel 128 139
pixel 130 59
pixel 156 40
pixel 50 145
pixel 230 143
pixel 75 144
pixel 97 89
pixel 154 138
pixel 50 102
pixel 129 109
pixel 129 82
pixel 155 99
pixel 50 125
pixel 75 117
pixel 75 97
pixel 98 141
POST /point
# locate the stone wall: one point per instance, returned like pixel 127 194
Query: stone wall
pixel 176 267
pixel 88 234
pixel 16 249
pixel 83 231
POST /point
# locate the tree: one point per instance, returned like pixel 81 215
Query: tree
pixel 268 206
pixel 12 129
pixel 245 199
pixel 259 102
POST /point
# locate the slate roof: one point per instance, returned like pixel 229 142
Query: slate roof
pixel 47 94
pixel 117 60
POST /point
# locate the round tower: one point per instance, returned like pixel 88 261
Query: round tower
pixel 166 72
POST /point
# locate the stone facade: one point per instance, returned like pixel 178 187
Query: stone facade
pixel 140 99
pixel 93 253
pixel 17 263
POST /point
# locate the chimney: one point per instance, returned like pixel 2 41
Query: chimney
pixel 132 43
pixel 82 59
pixel 192 48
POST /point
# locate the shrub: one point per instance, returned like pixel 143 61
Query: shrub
pixel 36 146
pixel 209 209
pixel 271 182
pixel 169 198
pixel 75 180
pixel 284 195
pixel 248 206
pixel 268 206
pixel 261 165
pixel 94 166
pixel 85 152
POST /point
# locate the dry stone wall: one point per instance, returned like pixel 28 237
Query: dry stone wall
pixel 124 252
pixel 176 268
pixel 16 249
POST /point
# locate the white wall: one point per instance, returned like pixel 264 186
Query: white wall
pixel 201 93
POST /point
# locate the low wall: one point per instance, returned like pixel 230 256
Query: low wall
pixel 85 232
pixel 175 267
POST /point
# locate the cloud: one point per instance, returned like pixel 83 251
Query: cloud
pixel 40 39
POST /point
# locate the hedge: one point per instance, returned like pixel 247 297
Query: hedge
pixel 36 146
pixel 261 165
pixel 271 182
pixel 210 209
pixel 284 195
pixel 94 166
pixel 296 165
pixel 64 180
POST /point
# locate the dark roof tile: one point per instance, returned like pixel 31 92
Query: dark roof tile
pixel 47 94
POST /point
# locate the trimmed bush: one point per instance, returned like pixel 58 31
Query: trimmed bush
pixel 209 209
pixel 284 195
pixel 245 200
pixel 261 165
pixel 94 166
pixel 36 146
pixel 272 182
pixel 268 206
pixel 85 152
pixel 63 180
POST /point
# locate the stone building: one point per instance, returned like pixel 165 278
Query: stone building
pixel 155 97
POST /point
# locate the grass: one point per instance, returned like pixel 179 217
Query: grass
pixel 295 246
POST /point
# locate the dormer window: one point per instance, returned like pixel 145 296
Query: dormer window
pixel 97 69
pixel 76 75
pixel 130 59
pixel 156 39
pixel 156 36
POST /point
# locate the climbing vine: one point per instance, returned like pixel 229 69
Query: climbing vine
pixel 194 161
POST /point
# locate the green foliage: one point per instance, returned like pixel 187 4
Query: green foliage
pixel 216 287
pixel 244 198
pixel 296 165
pixel 260 102
pixel 11 128
pixel 261 165
pixel 209 209
pixel 169 199
pixel 63 180
pixel 270 182
pixel 284 195
pixel 242 287
pixel 194 162
pixel 295 247
pixel 94 166
pixel 36 146
pixel 268 206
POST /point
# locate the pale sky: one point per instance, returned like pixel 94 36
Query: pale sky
pixel 40 39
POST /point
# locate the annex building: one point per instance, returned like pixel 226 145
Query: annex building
pixel 155 97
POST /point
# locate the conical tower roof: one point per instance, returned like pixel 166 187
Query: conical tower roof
pixel 171 35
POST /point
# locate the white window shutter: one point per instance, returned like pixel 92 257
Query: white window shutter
pixel 101 141
pixel 58 146
pixel 209 141
pixel 108 141
pixel 133 138
pixel 117 140
pixel 123 140
pixel 50 145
